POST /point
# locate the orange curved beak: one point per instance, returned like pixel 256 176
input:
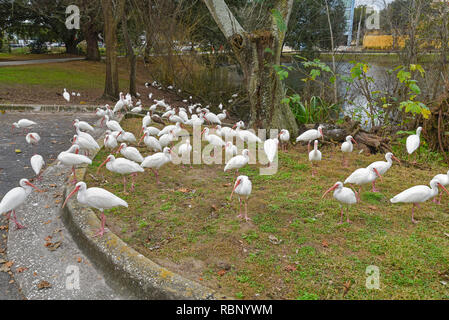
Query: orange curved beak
pixel 442 187
pixel 105 161
pixel 394 158
pixel 33 186
pixel 331 189
pixel 235 187
pixel 70 195
pixel 354 141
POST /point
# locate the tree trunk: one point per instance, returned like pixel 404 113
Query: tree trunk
pixel 265 89
pixel 132 60
pixel 70 45
pixel 93 53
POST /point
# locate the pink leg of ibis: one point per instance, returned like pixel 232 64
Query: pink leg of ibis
pixel 347 216
pixel 413 213
pixel 341 216
pixel 18 225
pixel 240 209
pixel 374 186
pixel 101 231
pixel 246 211
pixel 124 185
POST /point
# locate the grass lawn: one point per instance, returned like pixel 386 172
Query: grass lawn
pixel 294 247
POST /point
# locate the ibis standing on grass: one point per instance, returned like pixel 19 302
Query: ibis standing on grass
pixel 15 198
pixel 311 135
pixel 413 142
pixel 284 138
pixel 270 147
pixel 382 166
pixel 97 198
pixel 243 188
pixel 156 161
pixel 314 155
pixel 418 194
pixel 72 158
pixel 123 167
pixel 347 147
pixel 444 180
pixel 363 176
pixel 344 196
pixel 238 162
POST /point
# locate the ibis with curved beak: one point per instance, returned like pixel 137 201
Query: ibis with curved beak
pixel 363 176
pixel 344 196
pixel 243 188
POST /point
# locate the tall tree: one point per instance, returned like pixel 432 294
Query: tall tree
pixel 258 46
pixel 112 15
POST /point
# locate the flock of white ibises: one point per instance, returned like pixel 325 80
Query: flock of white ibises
pixel 160 142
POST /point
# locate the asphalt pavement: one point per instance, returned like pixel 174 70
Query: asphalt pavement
pixel 55 130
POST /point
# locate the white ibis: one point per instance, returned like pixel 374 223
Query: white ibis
pixel 87 137
pixel 413 141
pixel 127 137
pixel 84 144
pixel 344 196
pixel 246 135
pixel 23 124
pixel 314 156
pixel 382 166
pixel 183 114
pixel 72 158
pixel 15 198
pixel 169 128
pixel 230 151
pixel 33 139
pixel 167 139
pixel 185 150
pixel 311 135
pixel 130 153
pixel 156 161
pixel 97 198
pixel 37 163
pixel 243 188
pixel 151 142
pixel 222 116
pixel 284 139
pixel 363 176
pixel 119 105
pixel 152 131
pixel 66 95
pixel 270 147
pixel 110 140
pixel 137 109
pixel 238 162
pixel 212 118
pixel 213 139
pixel 83 125
pixel 146 121
pixel 123 167
pixel 226 132
pixel 347 147
pixel 112 124
pixel 443 179
pixel 417 195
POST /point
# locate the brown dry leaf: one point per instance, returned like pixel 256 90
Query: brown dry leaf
pixel 346 287
pixel 58 201
pixel 184 190
pixel 372 207
pixel 3 227
pixel 6 267
pixel 47 206
pixel 48 238
pixel 53 185
pixel 221 273
pixel 214 207
pixel 79 260
pixel 53 246
pixel 43 285
pixel 21 269
pixel 325 244
pixel 47 222
pixel 290 268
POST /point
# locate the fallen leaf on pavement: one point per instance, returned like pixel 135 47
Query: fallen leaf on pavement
pixel 43 285
pixel 21 269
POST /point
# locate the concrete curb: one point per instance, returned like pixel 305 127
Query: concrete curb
pixel 144 278
pixel 49 108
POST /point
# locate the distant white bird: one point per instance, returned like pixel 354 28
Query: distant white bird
pixel 382 166
pixel 213 139
pixel 112 124
pixel 444 180
pixel 15 198
pixel 167 139
pixel 243 188
pixel 185 151
pixel 344 196
pixel 246 135
pixel 238 162
pixel 33 138
pixel 226 132
pixel 110 140
pixel 83 125
pixel 37 163
pixel 66 95
pixel 363 176
pixel 130 153
pixel 222 116
pixel 413 142
pixel 347 147
pixel 97 198
pixel 72 158
pixel 230 151
pixel 127 137
pixel 311 135
pixel 23 124
pixel 156 161
pixel 284 139
pixel 314 156
pixel 137 109
pixel 418 194
pixel 212 118
pixel 151 142
pixel 146 121
pixel 120 104
pixel 270 147
pixel 123 167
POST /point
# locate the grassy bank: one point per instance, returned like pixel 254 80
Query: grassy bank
pixel 294 247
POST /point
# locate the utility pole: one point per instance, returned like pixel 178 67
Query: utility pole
pixel 359 27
